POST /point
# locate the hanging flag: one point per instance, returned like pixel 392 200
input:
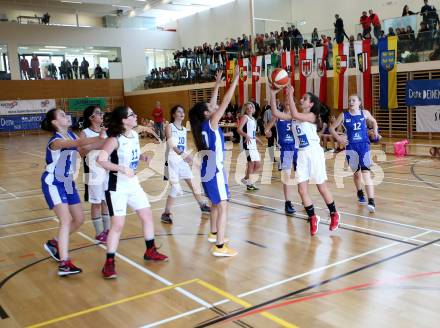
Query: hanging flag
pixel 288 63
pixel 305 70
pixel 243 63
pixel 256 63
pixel 362 50
pixel 267 67
pixel 388 72
pixel 340 79
pixel 230 66
pixel 320 78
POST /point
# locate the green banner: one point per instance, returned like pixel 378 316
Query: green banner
pixel 79 104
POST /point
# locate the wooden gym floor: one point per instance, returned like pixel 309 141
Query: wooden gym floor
pixel 377 270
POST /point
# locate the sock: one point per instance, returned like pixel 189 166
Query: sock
pixel 310 210
pixel 220 246
pixel 97 224
pixel 214 233
pixel 331 207
pixel 371 201
pixel 111 256
pixel 360 193
pixel 149 243
pixel 106 221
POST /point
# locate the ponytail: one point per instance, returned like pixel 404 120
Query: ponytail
pixel 316 109
pixel 196 118
pixel 46 123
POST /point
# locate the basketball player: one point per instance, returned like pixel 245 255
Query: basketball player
pixel 357 147
pixel 120 156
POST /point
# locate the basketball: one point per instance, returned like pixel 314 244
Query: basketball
pixel 278 78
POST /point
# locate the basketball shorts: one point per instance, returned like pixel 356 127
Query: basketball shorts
pixel 311 165
pixel 59 193
pixel 134 196
pixel 288 158
pixel 358 156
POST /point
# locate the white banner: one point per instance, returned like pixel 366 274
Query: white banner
pixel 25 107
pixel 428 119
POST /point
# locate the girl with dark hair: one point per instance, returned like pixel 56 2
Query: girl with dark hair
pixel 95 176
pixel 357 147
pixel 58 186
pixel 120 156
pixel 209 140
pixel 178 160
pixel 311 160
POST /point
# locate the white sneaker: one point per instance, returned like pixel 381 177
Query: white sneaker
pixel 371 208
pixel 244 181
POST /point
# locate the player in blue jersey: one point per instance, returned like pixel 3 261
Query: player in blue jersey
pixel 288 151
pixel 58 186
pixel 357 146
pixel 209 140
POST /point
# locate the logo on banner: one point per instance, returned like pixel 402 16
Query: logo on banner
pixel 306 67
pixel 362 59
pixel 243 74
pixel 256 72
pixel 388 59
pixel 321 66
pixel 9 105
pixel 45 103
pixel 341 64
pixel 229 75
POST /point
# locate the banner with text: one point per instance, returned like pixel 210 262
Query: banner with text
pixel 79 104
pixel 423 93
pixel 26 107
pixel 428 119
pixel 12 123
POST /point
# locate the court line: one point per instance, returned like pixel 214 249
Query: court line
pixel 281 282
pixel 104 306
pixel 7 192
pixel 239 301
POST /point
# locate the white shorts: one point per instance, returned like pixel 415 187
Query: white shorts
pixel 311 165
pixel 252 155
pixel 178 170
pixel 95 194
pixel 135 197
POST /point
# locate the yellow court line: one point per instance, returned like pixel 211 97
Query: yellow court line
pixel 245 304
pixel 104 306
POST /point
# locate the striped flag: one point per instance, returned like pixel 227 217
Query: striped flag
pixel 256 62
pixel 230 66
pixel 243 63
pixel 388 72
pixel 320 79
pixel 340 78
pixel 288 63
pixel 267 62
pixel 362 50
pixel 305 70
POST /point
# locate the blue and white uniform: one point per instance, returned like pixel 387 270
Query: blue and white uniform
pixel 358 148
pixel 213 175
pixel 311 160
pixel 57 180
pixel 123 190
pixel 288 150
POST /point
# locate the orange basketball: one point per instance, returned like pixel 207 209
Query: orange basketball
pixel 279 78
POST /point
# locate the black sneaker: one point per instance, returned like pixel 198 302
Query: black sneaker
pixel 371 205
pixel 166 218
pixel 205 208
pixel 51 246
pixel 288 207
pixel 252 188
pixel 67 268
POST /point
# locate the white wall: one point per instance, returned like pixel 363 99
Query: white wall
pixel 216 24
pixel 322 13
pixel 132 42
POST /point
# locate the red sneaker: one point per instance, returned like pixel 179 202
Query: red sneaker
pixel 102 237
pixel 108 271
pixel 67 268
pixel 153 255
pixel 334 221
pixel 51 246
pixel 314 222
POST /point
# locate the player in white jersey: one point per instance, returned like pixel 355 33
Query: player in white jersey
pixel 247 130
pixel 178 160
pixel 95 176
pixel 311 160
pixel 120 156
pixel 58 186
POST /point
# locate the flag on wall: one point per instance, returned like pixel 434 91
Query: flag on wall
pixel 320 78
pixel 256 62
pixel 230 66
pixel 305 70
pixel 267 67
pixel 340 78
pixel 288 63
pixel 362 51
pixel 388 72
pixel 243 63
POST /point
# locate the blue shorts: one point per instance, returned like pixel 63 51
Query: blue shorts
pixel 57 193
pixel 216 188
pixel 288 158
pixel 361 161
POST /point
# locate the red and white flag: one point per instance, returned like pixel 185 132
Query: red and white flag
pixel 320 78
pixel 340 78
pixel 267 62
pixel 305 70
pixel 243 63
pixel 362 50
pixel 256 62
pixel 288 63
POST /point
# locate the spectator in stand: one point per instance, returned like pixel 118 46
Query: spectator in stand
pixel 52 71
pixel 84 69
pixel 407 12
pixel 69 70
pixel 99 73
pixel 75 67
pixel 429 14
pixel 158 120
pixel 286 41
pixel 35 67
pixel 307 45
pixel 24 68
pixel 63 70
pixel 315 36
pixel 391 32
pixel 339 29
pixel 45 19
pixel 424 37
pixel 375 21
pixel 297 38
pixel 366 25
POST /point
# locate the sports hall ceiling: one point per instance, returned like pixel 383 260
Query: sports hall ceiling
pixel 147 8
